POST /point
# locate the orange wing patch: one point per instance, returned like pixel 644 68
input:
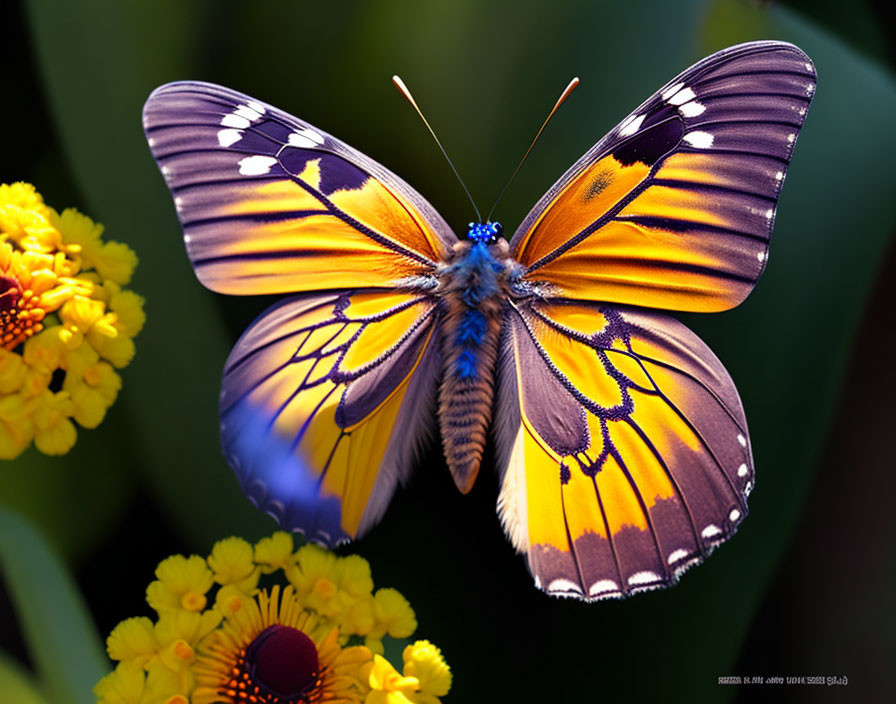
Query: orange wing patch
pixel 591 194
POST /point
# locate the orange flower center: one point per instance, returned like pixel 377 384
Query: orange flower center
pixel 20 315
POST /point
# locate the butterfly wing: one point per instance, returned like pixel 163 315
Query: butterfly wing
pixel 271 204
pixel 323 402
pixel 674 207
pixel 624 447
pixel 325 396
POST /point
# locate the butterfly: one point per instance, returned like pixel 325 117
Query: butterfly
pixel 623 449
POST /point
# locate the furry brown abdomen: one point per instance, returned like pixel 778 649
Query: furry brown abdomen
pixel 467 390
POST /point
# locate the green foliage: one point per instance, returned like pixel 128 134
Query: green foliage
pixel 58 630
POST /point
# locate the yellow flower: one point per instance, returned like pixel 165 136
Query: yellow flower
pixel 92 392
pixel 126 685
pixel 424 661
pixel 65 321
pixel 271 644
pixel 182 583
pixel 134 640
pixel 387 686
pixel 12 372
pixel 16 429
pixel 275 553
pixel 394 615
pixel 54 433
pixel 232 562
pixel 425 678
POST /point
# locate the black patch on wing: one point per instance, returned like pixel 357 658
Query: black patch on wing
pixel 336 174
pixel 651 144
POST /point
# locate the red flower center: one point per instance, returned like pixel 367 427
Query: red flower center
pixel 20 313
pixel 10 293
pixel 283 661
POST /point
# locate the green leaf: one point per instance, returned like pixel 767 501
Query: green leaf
pixel 60 636
pixel 18 686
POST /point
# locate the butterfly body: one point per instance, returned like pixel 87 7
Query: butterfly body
pixel 622 446
pixel 473 286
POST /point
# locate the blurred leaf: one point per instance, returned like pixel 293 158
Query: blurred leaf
pixel 53 491
pixel 60 636
pixel 858 22
pixel 17 685
pixel 101 59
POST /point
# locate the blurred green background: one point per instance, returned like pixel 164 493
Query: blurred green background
pixel 806 588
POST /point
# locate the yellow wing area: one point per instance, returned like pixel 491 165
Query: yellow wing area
pixel 321 407
pixel 645 243
pixel 270 204
pixel 625 451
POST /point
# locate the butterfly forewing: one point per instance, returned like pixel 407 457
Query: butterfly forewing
pixel 271 204
pixel 625 448
pixel 674 207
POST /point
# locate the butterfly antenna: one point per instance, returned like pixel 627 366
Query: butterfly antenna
pixel 403 89
pixel 569 89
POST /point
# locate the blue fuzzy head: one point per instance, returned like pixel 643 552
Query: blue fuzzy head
pixel 484 232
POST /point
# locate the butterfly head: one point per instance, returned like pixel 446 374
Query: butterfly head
pixel 484 232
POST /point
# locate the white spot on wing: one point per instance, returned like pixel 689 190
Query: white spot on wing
pixel 248 113
pixel 564 586
pixel 681 97
pixel 701 140
pixel 645 577
pixel 669 92
pixel 760 256
pixel 791 137
pixel 770 213
pixel 809 68
pixel 603 586
pixel 711 530
pixel 631 126
pixel 301 139
pixel 256 165
pixel 742 440
pixel 743 471
pixel 229 137
pixel 692 109
pixel 232 120
pixel 734 515
pixel 257 107
pixel 748 488
pixel 779 176
pixel 677 556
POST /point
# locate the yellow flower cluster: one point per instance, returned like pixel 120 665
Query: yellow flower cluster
pixel 220 632
pixel 66 322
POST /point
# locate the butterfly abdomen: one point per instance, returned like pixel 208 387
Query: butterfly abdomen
pixel 472 306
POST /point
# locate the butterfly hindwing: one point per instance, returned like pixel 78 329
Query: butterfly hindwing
pixel 271 204
pixel 323 401
pixel 674 208
pixel 625 456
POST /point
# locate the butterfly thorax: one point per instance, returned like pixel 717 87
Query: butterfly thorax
pixel 473 283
